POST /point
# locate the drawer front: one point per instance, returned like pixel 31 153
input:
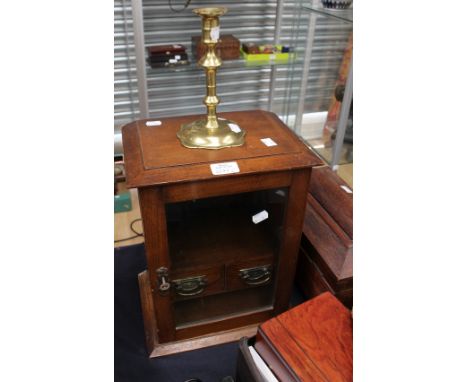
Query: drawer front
pixel 250 273
pixel 197 282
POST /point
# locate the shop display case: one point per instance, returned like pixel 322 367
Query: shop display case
pixel 335 142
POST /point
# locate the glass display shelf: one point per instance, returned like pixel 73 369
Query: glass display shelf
pixel 340 14
pixel 227 64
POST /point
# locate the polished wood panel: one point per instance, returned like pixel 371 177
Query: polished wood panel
pixel 311 342
pixel 325 187
pixel 158 150
pixel 164 160
pixel 332 248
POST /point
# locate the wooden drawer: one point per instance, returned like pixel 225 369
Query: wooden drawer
pixel 250 273
pixel 197 282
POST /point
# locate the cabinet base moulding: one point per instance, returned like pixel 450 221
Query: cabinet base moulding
pixel 156 349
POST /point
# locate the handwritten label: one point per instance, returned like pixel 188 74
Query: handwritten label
pixel 269 142
pixel 153 123
pixel 224 168
pixel 235 128
pixel 214 33
pixel 261 216
pixel 347 189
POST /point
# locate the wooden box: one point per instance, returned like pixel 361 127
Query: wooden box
pixel 311 342
pixel 325 261
pixel 214 272
pixel 228 47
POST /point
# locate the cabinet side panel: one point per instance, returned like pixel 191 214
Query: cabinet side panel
pixel 154 226
pixel 292 232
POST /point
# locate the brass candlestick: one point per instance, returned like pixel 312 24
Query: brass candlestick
pixel 210 133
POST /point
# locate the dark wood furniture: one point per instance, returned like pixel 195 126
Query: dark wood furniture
pixel 213 274
pixel 325 260
pixel 312 342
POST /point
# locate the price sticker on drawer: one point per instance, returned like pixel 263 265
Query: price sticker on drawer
pixel 269 142
pixel 224 168
pixel 261 216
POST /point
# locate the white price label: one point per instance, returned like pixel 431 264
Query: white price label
pixel 261 216
pixel 272 56
pixel 214 33
pixel 235 128
pixel 269 142
pixel 347 189
pixel 172 61
pixel 177 57
pixel 153 123
pixel 177 46
pixel 224 168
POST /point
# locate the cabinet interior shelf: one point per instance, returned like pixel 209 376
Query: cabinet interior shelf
pixel 221 235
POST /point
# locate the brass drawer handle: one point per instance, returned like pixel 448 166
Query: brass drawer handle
pixel 257 275
pixel 190 286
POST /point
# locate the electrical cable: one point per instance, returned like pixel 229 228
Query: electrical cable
pixel 187 3
pixel 137 234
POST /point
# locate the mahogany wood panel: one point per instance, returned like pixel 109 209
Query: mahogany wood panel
pixel 314 340
pixel 325 187
pixel 333 247
pixel 283 355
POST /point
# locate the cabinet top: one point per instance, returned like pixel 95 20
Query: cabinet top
pixel 154 155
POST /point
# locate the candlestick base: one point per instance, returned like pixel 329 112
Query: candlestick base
pixel 196 135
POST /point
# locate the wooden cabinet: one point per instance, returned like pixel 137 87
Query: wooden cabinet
pixel 213 273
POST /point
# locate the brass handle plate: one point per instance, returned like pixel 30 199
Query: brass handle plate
pixel 257 275
pixel 191 286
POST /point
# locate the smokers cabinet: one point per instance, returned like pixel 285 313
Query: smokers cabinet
pixel 222 228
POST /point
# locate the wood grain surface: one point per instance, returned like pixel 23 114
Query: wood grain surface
pixel 151 157
pixel 313 340
pixel 325 187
